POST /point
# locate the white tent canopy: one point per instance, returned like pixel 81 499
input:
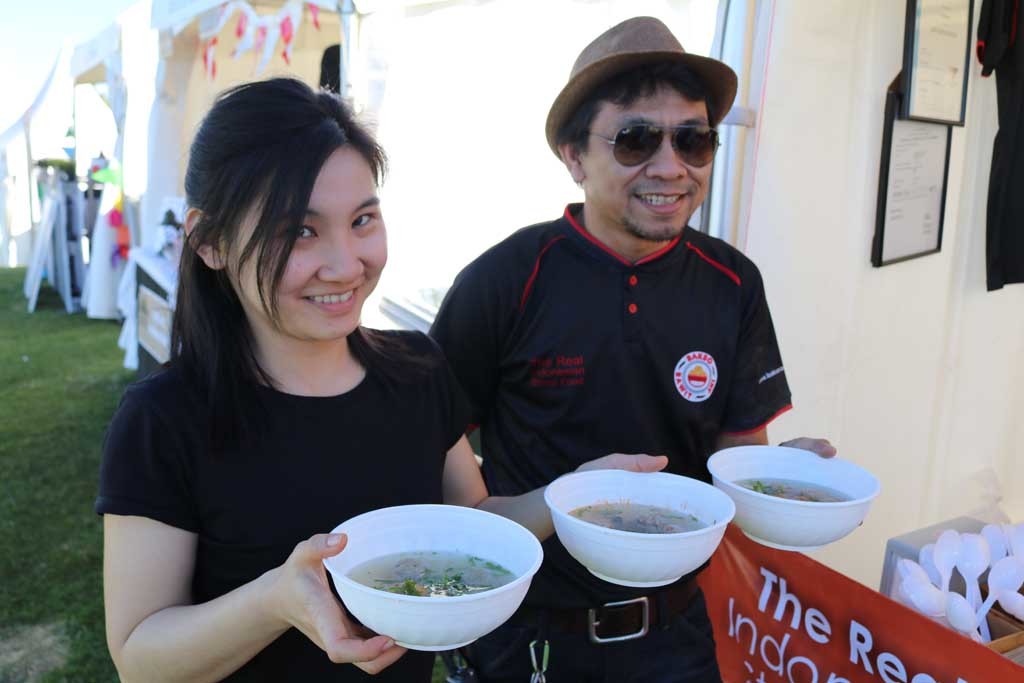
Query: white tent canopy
pixel 164 62
pixel 87 58
pixel 160 85
pixel 21 127
pixel 123 56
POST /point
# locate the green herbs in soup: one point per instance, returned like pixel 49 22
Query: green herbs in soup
pixel 791 489
pixel 431 574
pixel 644 519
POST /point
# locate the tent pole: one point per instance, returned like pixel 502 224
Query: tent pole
pixel 33 202
pixel 347 10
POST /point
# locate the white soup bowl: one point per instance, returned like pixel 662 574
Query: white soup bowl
pixel 793 524
pixel 629 558
pixel 434 623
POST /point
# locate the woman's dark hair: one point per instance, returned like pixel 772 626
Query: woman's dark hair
pixel 626 88
pixel 256 156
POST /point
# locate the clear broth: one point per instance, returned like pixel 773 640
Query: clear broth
pixel 431 574
pixel 793 489
pixel 644 519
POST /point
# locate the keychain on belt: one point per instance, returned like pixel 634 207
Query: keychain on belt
pixel 538 670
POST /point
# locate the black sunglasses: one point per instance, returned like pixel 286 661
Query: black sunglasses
pixel 694 143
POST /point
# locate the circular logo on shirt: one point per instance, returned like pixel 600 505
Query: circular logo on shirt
pixel 696 376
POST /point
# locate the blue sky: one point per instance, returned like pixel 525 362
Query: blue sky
pixel 31 34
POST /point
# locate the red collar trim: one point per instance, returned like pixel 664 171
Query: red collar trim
pixel 658 254
pixel 606 249
pixel 729 273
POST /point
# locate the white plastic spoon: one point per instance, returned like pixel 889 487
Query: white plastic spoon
pixel 1006 577
pixel 911 571
pixel 997 541
pixel 1016 535
pixel 926 558
pixel 918 589
pixel 971 563
pixel 924 597
pixel 1013 603
pixel 1007 530
pixel 961 616
pixel 947 550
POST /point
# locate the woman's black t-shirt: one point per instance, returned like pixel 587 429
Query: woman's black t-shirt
pixel 317 462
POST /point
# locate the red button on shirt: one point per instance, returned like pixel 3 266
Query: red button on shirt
pixel 632 308
pixel 632 280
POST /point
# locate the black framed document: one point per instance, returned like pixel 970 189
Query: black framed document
pixel 936 60
pixel 912 183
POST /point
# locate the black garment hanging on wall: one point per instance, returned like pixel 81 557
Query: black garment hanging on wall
pixel 1000 34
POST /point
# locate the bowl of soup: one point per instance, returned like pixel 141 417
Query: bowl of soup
pixel 638 529
pixel 433 577
pixel 792 499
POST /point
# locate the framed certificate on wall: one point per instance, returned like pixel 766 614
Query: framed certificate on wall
pixel 936 60
pixel 912 184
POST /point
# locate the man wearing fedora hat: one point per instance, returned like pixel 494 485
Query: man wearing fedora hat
pixel 616 328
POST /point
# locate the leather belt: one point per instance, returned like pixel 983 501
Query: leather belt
pixel 614 621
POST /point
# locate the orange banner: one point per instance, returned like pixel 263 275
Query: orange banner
pixel 781 617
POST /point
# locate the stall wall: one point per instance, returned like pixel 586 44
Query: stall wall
pixel 308 50
pixel 912 369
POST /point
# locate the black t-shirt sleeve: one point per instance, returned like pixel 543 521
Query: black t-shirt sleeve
pixel 759 390
pixel 469 328
pixel 144 471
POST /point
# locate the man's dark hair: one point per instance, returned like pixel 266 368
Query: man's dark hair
pixel 258 153
pixel 330 69
pixel 626 88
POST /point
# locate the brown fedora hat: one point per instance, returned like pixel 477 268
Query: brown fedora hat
pixel 636 41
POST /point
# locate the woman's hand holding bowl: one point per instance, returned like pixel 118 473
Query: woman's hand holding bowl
pixel 301 597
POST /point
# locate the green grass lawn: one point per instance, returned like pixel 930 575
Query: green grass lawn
pixel 60 381
pixel 60 378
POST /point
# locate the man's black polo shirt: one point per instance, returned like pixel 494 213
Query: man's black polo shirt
pixel 568 352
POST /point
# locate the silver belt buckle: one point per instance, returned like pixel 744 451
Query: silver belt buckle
pixel 593 623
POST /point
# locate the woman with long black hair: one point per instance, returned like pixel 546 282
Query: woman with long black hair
pixel 278 416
